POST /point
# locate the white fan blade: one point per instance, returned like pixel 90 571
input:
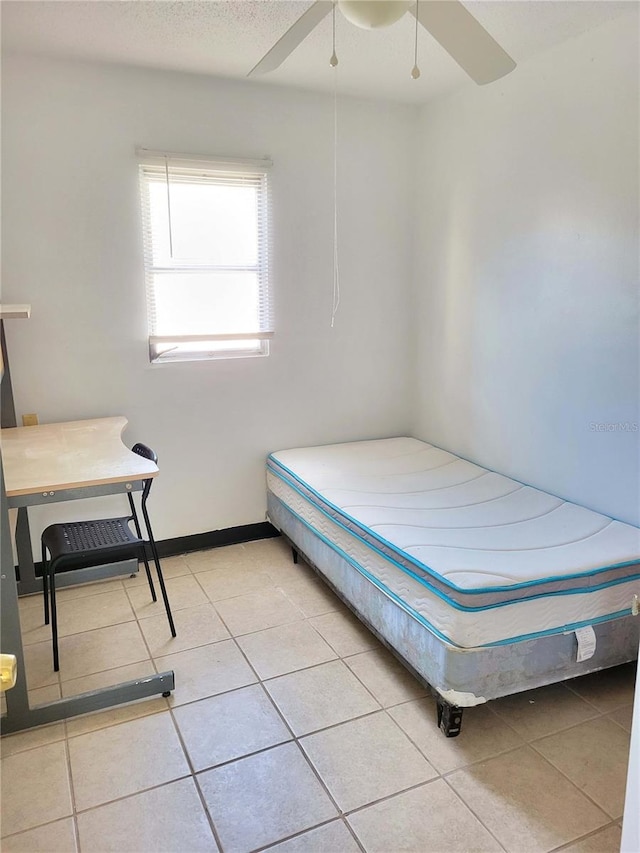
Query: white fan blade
pixel 467 41
pixel 292 38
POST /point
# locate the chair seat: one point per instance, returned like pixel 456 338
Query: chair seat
pixel 82 538
pixel 77 545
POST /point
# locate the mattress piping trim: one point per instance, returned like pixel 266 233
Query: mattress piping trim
pixel 464 590
pixel 562 629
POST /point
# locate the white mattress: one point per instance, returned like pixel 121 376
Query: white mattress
pixel 479 558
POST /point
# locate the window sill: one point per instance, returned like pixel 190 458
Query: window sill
pixel 222 355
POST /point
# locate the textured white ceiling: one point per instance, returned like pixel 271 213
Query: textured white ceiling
pixel 228 38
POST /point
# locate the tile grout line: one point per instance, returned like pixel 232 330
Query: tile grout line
pixel 137 618
pixel 71 817
pixel 72 790
pixel 366 687
pixel 594 832
pixel 343 815
pixel 130 796
pixel 573 689
pixel 529 745
pixel 195 781
pixel 524 742
pixel 617 722
pixel 599 713
pixel 149 659
pixel 296 739
pixel 354 834
pixel 570 728
pixel 499 754
pixel 273 844
pixel 474 813
pixel 587 796
pixel 558 731
pixel 378 710
pixel 574 784
pixel 333 725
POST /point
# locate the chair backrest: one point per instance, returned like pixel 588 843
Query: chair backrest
pixel 148 453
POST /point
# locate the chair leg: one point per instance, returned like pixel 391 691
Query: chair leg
pixel 54 617
pixel 154 597
pixel 163 588
pixel 45 585
pixel 156 560
pixel 136 524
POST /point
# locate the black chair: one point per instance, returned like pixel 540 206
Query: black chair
pixel 79 544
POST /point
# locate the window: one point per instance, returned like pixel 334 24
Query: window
pixel 206 240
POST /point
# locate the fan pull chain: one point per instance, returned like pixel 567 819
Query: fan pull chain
pixel 336 269
pixel 333 62
pixel 334 59
pixel 415 71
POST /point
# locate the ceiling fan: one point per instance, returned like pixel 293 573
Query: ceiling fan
pixel 457 31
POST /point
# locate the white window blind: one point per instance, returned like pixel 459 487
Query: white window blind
pixel 206 240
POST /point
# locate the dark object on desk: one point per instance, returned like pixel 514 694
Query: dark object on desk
pixel 77 544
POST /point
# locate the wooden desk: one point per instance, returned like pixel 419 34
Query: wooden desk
pixel 74 455
pixel 46 464
pixel 62 462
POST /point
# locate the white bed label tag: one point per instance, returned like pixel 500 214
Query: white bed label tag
pixel 586 638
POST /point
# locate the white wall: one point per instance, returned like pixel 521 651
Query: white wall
pixel 527 272
pixel 522 333
pixel 72 248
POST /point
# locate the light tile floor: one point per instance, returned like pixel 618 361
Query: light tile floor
pixel 292 729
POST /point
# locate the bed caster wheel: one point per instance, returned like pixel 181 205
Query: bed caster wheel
pixel 449 718
pixel 166 693
pixel 294 556
pixel 133 576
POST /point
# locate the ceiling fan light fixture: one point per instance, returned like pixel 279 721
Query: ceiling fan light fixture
pixel 373 14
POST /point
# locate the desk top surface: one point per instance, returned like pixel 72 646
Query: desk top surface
pixel 72 455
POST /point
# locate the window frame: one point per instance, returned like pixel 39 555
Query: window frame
pixel 156 166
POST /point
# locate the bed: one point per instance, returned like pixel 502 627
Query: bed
pixel 481 585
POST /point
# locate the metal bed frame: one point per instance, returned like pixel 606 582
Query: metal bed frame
pixel 458 678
